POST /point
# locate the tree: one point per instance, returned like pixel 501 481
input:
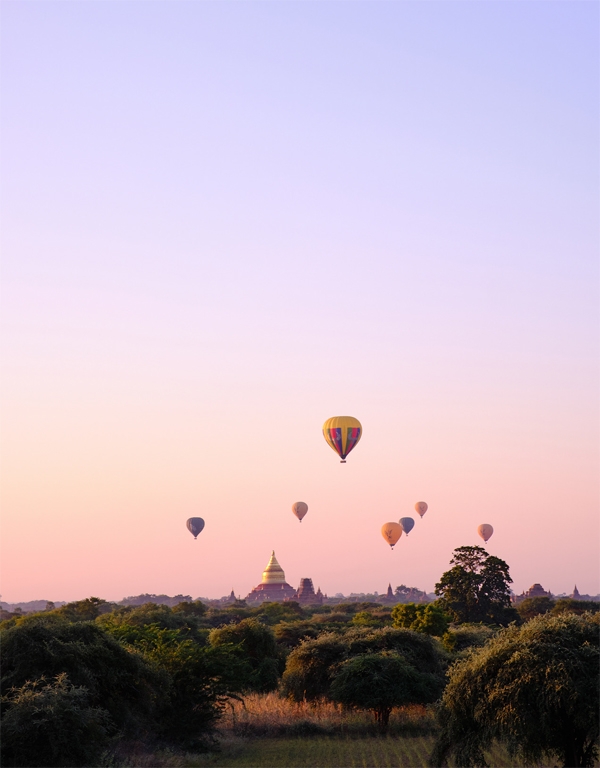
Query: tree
pixel 290 634
pixel 476 588
pixel 45 645
pixel 202 680
pixel 312 666
pixel 52 724
pixel 199 680
pixel 568 605
pixel 84 610
pixel 427 618
pixel 535 687
pixel 534 606
pixel 378 682
pixel 256 646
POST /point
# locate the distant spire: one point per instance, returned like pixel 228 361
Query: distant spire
pixel 389 592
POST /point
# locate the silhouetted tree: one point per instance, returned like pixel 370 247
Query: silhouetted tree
pixel 379 682
pixel 476 588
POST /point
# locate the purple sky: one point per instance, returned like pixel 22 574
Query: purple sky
pixel 226 222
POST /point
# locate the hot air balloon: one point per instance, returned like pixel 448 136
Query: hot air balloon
pixel 485 531
pixel 407 524
pixel 342 433
pixel 300 509
pixel 391 532
pixel 195 526
pixel 421 508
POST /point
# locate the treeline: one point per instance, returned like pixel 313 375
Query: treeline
pixel 82 680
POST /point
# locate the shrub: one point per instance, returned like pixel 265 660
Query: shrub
pixel 45 645
pixel 426 618
pixel 534 686
pixel 52 724
pixel 465 636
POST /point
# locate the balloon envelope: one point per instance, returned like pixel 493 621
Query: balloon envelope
pixel 485 531
pixel 407 524
pixel 342 434
pixel 300 509
pixel 421 508
pixel 391 532
pixel 195 525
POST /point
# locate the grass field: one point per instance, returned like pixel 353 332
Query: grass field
pixel 333 752
pixel 270 732
pixel 317 752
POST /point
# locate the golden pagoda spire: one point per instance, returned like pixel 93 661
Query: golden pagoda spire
pixel 273 573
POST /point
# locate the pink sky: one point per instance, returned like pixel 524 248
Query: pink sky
pixel 224 224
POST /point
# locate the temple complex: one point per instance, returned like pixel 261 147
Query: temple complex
pixel 535 590
pixel 274 587
pixel 306 594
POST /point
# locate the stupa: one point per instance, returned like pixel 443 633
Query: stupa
pixel 273 586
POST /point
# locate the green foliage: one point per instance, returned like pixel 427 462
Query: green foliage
pixel 52 724
pixel 273 613
pixel 378 682
pixel 186 618
pixel 567 605
pixel 255 644
pixel 366 619
pixel 45 645
pixel 312 666
pixel 84 610
pixel 201 682
pixel 424 653
pixel 534 606
pixel 535 687
pixel 476 589
pixel 428 618
pixel 465 636
pixel 290 634
pixel 188 608
pixel 217 617
pixel 199 679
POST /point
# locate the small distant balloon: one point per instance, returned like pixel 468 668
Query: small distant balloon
pixel 485 531
pixel 421 508
pixel 195 526
pixel 391 532
pixel 300 509
pixel 407 524
pixel 342 434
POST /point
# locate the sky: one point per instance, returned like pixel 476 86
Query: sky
pixel 224 223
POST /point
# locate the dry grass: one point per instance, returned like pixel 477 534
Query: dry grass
pixel 268 715
pixel 267 731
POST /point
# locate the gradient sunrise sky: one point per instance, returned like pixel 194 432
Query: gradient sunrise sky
pixel 226 222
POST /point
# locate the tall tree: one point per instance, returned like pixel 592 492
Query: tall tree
pixel 476 588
